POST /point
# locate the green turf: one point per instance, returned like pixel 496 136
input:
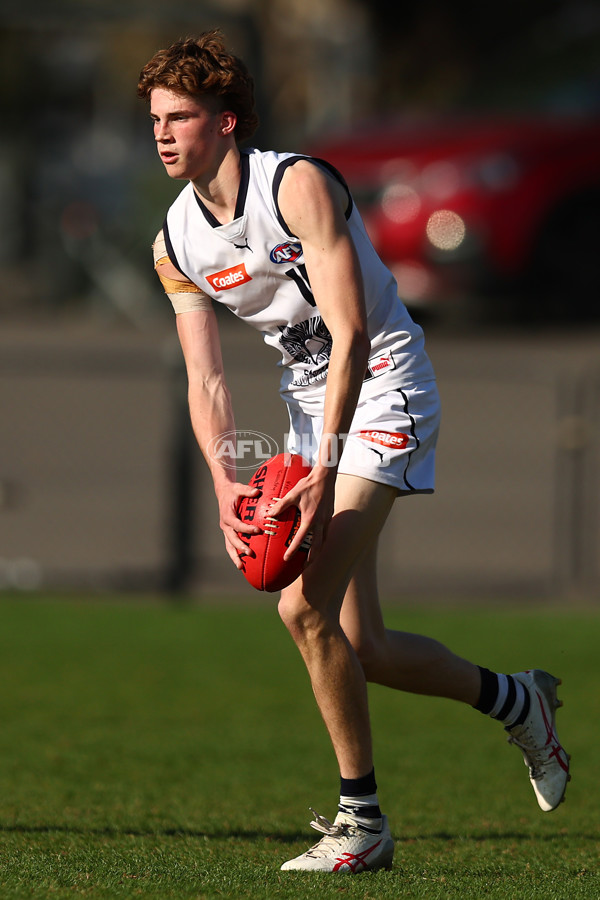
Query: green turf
pixel 148 750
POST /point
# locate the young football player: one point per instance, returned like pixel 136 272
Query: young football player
pixel 277 238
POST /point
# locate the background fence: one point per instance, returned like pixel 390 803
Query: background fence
pixel 102 488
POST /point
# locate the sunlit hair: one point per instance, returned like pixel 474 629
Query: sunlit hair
pixel 203 68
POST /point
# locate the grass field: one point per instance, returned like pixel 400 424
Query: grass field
pixel 155 751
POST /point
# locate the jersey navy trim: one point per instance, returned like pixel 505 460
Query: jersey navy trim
pixel 210 217
pixel 170 250
pixel 413 431
pixel 240 204
pixel 280 172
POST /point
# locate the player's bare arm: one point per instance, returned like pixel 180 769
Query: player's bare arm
pixel 211 414
pixel 313 205
pixel 207 368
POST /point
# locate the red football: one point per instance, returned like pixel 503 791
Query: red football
pixel 267 570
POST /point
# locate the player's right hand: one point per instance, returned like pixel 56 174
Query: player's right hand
pixel 229 497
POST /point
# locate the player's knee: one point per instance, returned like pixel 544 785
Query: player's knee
pixel 302 620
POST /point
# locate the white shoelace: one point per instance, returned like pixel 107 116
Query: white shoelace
pixel 332 834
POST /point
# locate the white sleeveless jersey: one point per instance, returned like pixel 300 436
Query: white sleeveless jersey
pixel 255 266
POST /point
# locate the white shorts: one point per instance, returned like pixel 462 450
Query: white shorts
pixel 392 438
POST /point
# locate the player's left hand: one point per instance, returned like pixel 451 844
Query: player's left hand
pixel 314 497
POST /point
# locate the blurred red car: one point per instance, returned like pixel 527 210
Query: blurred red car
pixel 473 206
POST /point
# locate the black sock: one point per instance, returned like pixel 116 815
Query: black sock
pixel 358 797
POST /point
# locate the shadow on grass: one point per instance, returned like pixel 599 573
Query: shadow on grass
pixel 284 838
pixel 108 831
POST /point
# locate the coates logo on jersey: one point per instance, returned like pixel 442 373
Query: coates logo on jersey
pixel 386 439
pixel 229 278
pixel 290 252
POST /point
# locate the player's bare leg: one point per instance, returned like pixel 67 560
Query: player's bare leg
pixel 359 837
pixel 397 659
pixel 310 608
pixel 525 702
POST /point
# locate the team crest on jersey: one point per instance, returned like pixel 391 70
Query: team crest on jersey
pixel 307 342
pixel 290 252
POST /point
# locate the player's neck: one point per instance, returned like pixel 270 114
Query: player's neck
pixel 219 190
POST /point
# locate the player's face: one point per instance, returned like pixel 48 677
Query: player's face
pixel 187 132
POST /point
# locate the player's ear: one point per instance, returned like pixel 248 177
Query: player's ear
pixel 228 122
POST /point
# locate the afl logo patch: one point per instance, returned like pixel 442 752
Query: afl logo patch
pixel 289 252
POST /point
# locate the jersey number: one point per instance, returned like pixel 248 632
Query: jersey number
pixel 300 276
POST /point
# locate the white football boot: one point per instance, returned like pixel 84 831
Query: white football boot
pixel 537 739
pixel 346 847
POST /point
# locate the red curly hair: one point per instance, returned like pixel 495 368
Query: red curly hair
pixel 203 67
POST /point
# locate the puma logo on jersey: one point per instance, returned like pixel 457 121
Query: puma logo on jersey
pixel 378 452
pixel 377 365
pixel 229 278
